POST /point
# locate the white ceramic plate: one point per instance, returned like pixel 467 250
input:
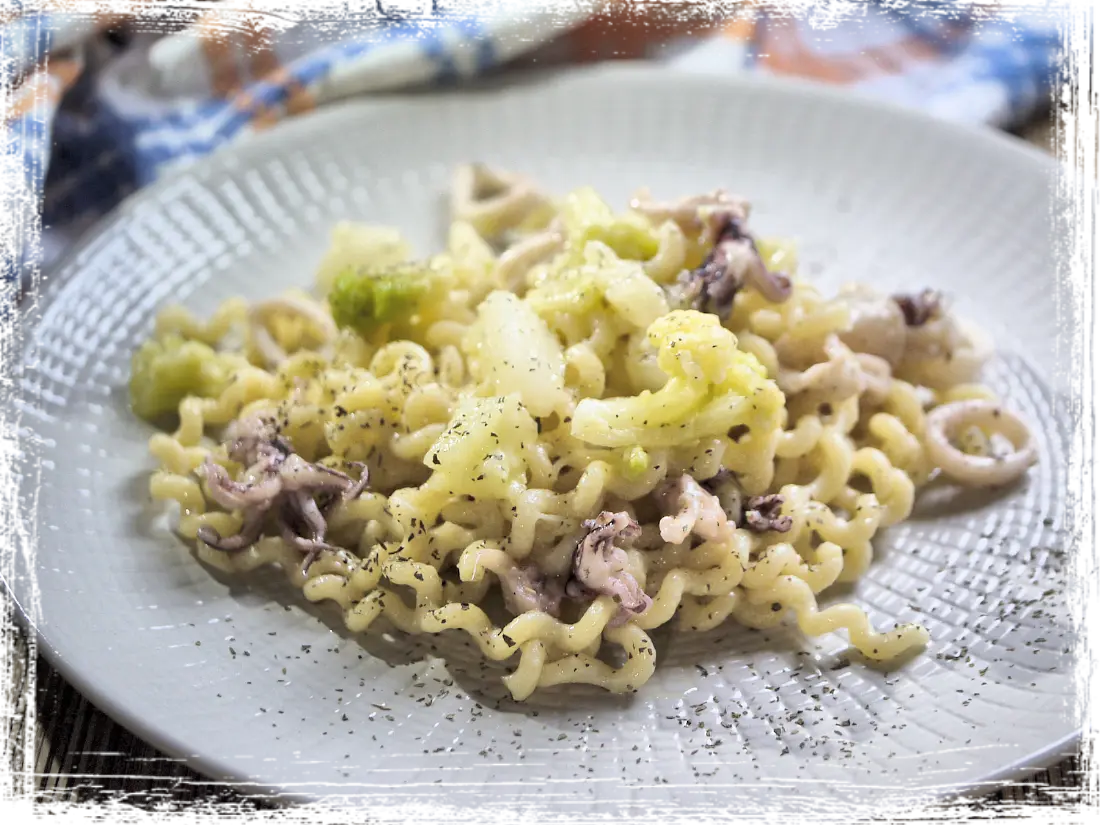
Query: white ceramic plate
pixel 246 680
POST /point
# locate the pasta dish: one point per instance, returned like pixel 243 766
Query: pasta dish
pixel 570 427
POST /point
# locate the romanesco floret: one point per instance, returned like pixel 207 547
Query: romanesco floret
pixel 165 371
pixel 364 299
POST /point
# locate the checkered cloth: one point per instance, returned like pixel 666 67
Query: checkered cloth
pixel 100 109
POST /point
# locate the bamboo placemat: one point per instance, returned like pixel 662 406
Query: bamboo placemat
pixel 64 762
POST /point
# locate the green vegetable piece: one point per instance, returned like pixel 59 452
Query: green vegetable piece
pixel 165 371
pixel 635 462
pixel 364 299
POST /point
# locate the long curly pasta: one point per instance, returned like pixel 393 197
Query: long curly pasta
pixel 569 371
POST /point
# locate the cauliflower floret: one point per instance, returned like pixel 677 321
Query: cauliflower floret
pixel 712 388
pixel 585 217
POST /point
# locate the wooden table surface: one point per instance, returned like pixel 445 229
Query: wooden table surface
pixel 64 761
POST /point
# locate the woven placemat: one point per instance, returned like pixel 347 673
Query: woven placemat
pixel 64 761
